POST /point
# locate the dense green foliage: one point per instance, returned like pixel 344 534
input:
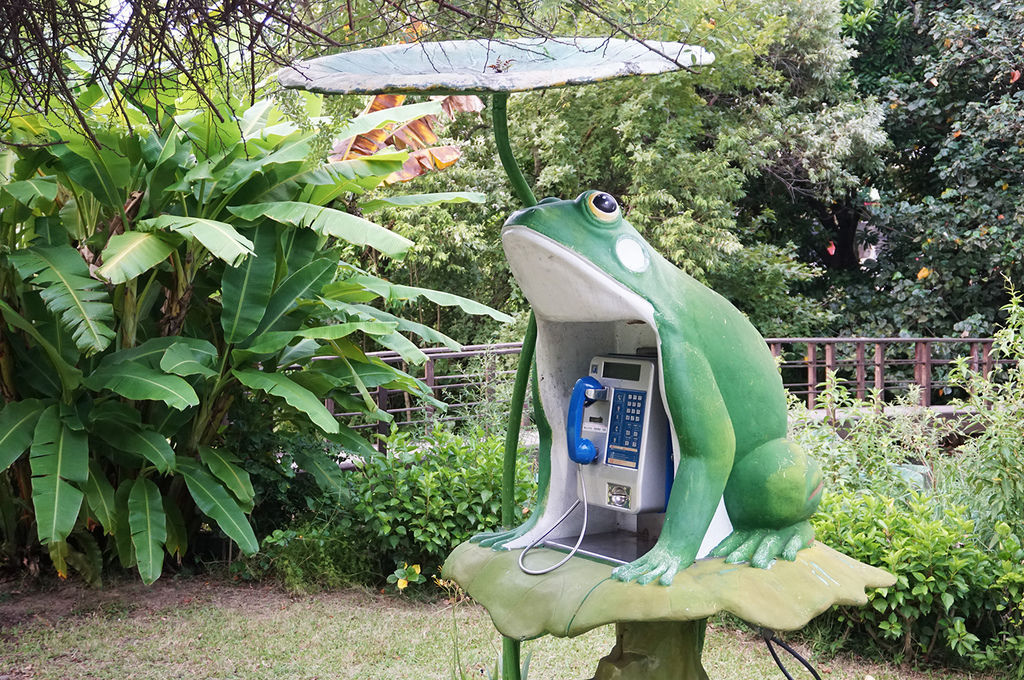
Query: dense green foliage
pixel 954 599
pixel 726 171
pixel 410 506
pixel 145 284
pixel 950 217
pixel 952 537
pixel 844 167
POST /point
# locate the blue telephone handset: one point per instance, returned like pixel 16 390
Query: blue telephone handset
pixel 581 450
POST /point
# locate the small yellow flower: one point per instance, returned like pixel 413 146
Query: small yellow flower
pixel 415 568
pixel 923 273
pixel 402 584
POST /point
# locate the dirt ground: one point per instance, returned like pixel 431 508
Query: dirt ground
pixel 21 604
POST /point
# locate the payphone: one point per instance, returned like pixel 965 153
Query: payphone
pixel 616 419
pixel 618 434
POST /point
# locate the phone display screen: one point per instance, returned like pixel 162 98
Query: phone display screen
pixel 620 371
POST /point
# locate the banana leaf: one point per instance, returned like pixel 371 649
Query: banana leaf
pixel 148 527
pixel 220 238
pixel 80 301
pixel 246 289
pixel 132 253
pixel 58 457
pixel 136 381
pixel 224 467
pixel 279 385
pixel 17 424
pixel 330 222
pixel 419 200
pixel 217 504
pixel 100 495
pixel 393 291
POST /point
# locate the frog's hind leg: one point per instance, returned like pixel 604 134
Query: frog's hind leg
pixel 771 493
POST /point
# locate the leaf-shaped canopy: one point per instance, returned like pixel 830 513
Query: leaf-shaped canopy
pixel 482 66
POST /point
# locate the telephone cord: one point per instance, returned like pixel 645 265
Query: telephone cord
pixel 769 637
pixel 579 540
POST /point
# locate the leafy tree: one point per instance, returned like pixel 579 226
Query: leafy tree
pixel 740 174
pixel 950 219
pixel 148 281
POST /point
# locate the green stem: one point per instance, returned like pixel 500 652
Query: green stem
pixel 202 420
pixel 129 314
pixel 515 418
pixel 510 659
pixel 509 647
pixel 508 160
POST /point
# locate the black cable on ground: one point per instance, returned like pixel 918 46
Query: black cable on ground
pixel 770 637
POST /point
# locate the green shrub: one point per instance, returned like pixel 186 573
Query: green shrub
pixel 427 495
pixel 408 507
pixel 318 552
pixel 989 467
pixel 954 548
pixel 863 448
pixel 955 599
pixel 283 495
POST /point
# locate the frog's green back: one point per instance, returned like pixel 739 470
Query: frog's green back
pixel 744 369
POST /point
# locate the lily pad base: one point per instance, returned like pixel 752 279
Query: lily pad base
pixel 662 650
pixel 581 595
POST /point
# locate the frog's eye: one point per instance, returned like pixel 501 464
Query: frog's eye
pixel 603 206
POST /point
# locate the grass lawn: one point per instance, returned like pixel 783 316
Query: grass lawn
pixel 194 628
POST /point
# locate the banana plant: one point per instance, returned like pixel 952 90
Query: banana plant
pixel 146 282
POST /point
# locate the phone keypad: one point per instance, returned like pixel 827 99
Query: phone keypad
pixel 626 428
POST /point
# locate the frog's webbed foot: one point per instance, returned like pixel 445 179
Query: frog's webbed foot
pixel 660 563
pixel 498 539
pixel 761 547
pixel 494 539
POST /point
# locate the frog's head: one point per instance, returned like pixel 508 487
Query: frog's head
pixel 564 253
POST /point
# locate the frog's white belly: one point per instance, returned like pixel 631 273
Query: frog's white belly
pixel 562 286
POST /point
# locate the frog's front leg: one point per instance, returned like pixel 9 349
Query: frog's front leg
pixel 706 446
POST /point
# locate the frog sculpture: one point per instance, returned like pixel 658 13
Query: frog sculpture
pixel 587 272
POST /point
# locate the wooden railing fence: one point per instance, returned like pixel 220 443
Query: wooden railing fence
pixel 883 366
